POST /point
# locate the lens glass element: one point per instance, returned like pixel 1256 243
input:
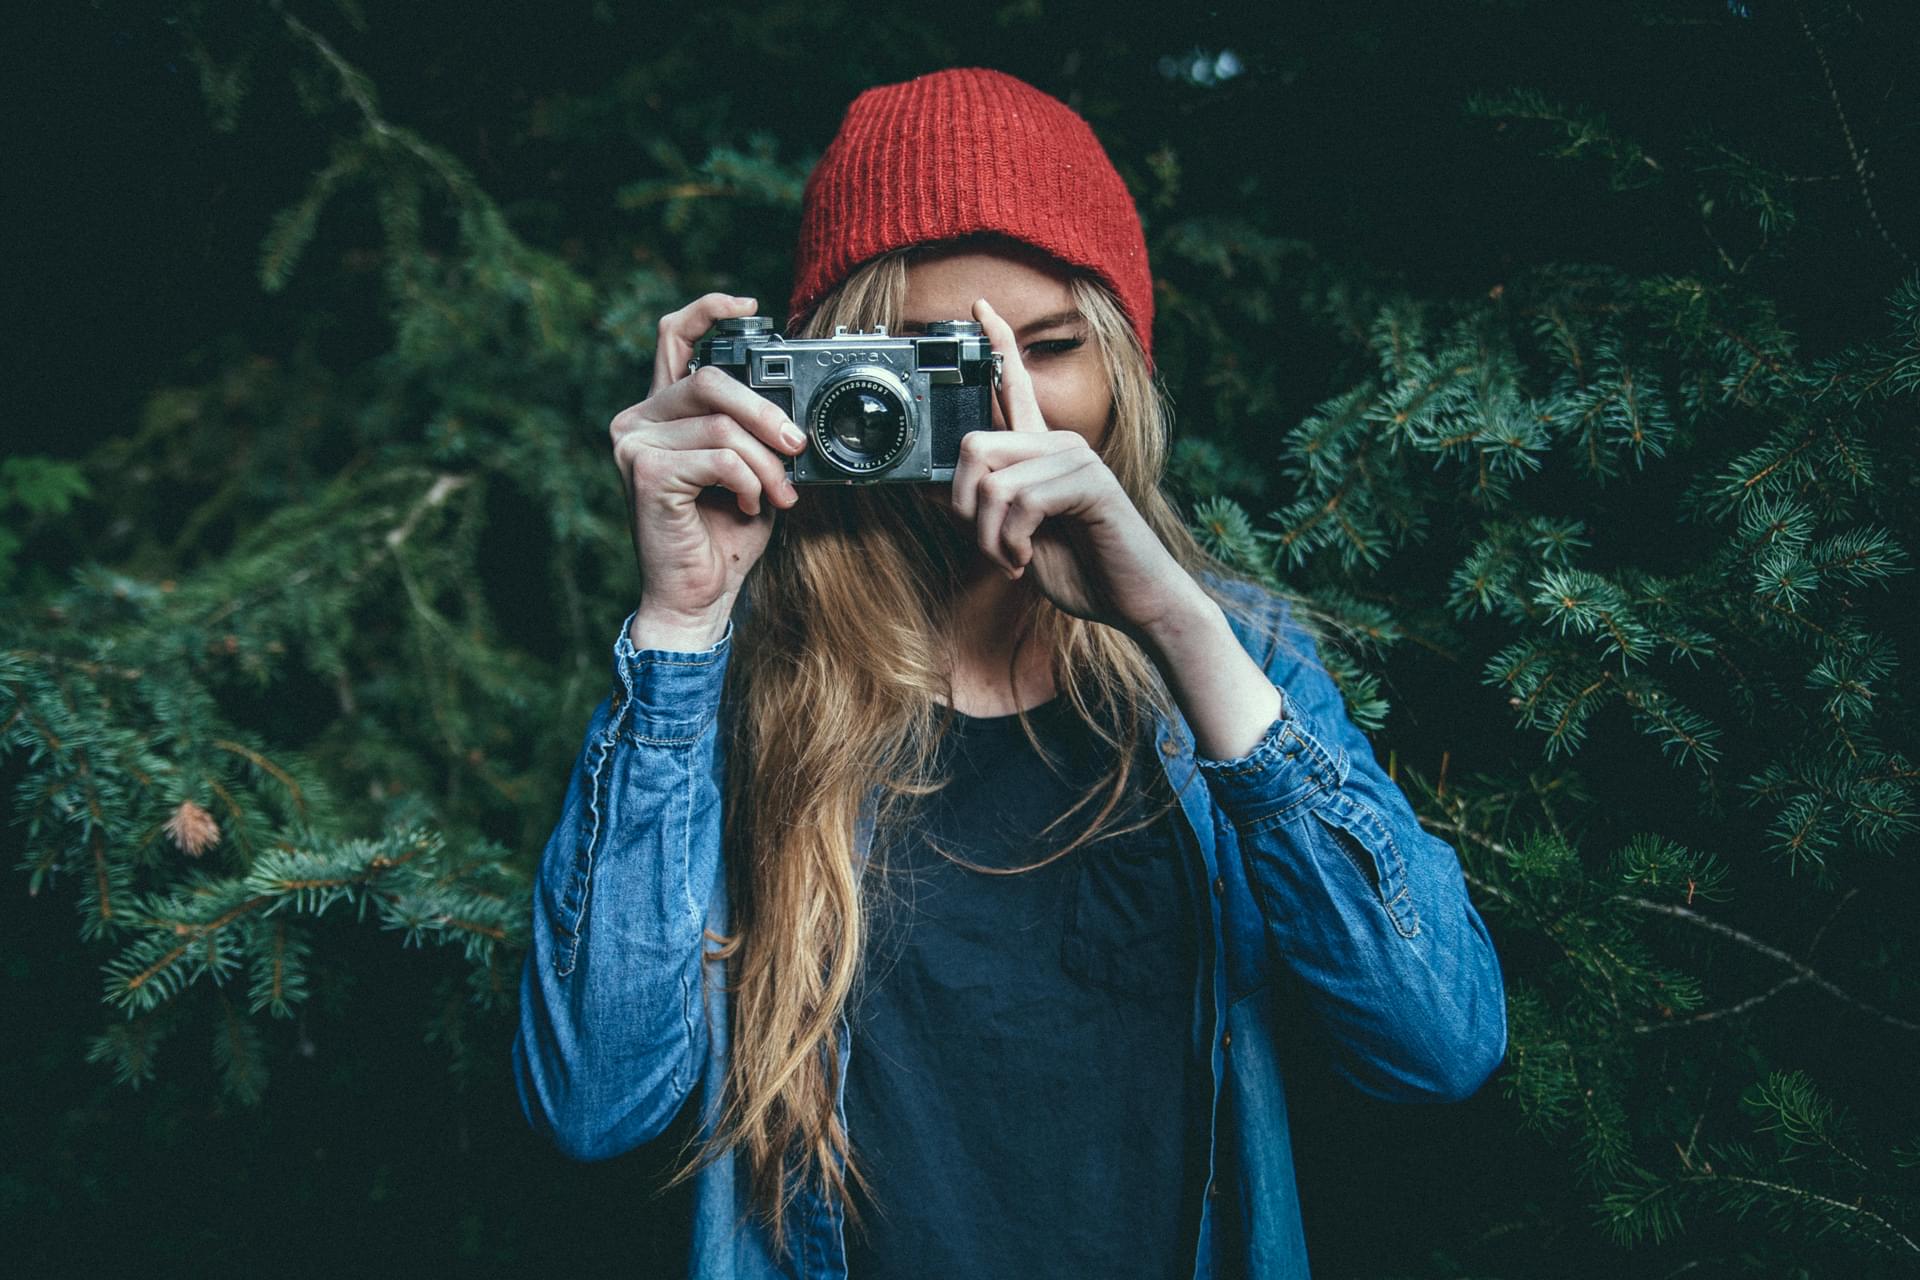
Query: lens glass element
pixel 866 423
pixel 861 425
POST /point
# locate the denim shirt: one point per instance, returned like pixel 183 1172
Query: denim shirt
pixel 1309 857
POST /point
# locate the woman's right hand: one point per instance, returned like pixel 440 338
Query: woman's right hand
pixel 690 433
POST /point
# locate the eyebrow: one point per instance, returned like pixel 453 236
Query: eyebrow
pixel 1032 326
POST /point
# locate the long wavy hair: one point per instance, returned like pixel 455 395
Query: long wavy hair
pixel 838 693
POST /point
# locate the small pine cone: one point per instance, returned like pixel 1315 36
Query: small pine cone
pixel 193 829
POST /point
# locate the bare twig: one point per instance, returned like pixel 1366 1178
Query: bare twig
pixel 355 87
pixel 1860 171
pixel 1825 1202
pixel 1805 972
pixel 1742 1006
pixel 1726 1011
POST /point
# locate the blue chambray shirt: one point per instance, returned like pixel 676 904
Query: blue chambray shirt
pixel 1308 855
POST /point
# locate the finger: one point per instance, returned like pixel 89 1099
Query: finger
pixel 699 468
pixel 1006 489
pixel 718 431
pixel 1073 488
pixel 713 390
pixel 983 452
pixel 621 461
pixel 656 471
pixel 1018 404
pixel 680 329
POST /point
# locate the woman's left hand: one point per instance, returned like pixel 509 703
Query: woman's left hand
pixel 1042 501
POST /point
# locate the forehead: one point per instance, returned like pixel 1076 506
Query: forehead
pixel 1021 287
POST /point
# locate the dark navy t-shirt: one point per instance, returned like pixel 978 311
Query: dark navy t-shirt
pixel 1022 1090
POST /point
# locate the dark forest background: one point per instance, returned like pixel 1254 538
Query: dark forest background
pixel 1568 354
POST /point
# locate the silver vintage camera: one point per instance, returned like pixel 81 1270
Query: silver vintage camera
pixel 875 408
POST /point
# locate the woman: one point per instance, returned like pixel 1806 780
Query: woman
pixel 1013 817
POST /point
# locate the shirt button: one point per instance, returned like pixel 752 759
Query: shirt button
pixel 1226 1040
pixel 1168 747
pixel 1219 886
pixel 1213 1191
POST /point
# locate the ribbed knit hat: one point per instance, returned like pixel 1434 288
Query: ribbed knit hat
pixel 964 152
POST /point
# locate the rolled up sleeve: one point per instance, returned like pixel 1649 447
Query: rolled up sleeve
pixel 1369 909
pixel 612 1035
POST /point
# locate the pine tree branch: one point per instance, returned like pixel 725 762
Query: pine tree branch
pixel 444 485
pixel 267 766
pixel 96 830
pixel 48 659
pixel 196 932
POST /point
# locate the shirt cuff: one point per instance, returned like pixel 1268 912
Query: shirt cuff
pixel 668 694
pixel 1291 765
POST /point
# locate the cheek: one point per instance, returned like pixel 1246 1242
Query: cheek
pixel 1078 403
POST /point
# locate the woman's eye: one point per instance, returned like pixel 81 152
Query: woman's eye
pixel 1054 347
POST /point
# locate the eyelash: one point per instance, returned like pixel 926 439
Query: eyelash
pixel 1056 346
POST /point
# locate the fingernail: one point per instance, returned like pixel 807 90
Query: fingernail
pixel 788 492
pixel 792 438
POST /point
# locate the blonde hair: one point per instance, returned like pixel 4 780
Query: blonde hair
pixel 836 686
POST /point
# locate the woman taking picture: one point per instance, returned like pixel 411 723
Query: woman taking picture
pixel 956 845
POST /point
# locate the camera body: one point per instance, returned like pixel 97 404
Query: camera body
pixel 876 409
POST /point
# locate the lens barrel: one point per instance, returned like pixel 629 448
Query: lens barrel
pixel 860 421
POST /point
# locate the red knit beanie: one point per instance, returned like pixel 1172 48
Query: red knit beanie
pixel 964 152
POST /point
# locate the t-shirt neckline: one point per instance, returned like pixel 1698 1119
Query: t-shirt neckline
pixel 1039 711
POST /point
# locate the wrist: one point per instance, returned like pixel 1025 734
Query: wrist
pixel 678 632
pixel 1195 621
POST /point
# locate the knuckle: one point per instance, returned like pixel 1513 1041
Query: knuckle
pixel 706 426
pixel 647 465
pixel 710 379
pixel 737 466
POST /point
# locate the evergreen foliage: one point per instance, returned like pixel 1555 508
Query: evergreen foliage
pixel 1616 545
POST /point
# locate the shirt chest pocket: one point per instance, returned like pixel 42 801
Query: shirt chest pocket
pixel 1129 924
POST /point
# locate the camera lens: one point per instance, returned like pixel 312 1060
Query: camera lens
pixel 861 425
